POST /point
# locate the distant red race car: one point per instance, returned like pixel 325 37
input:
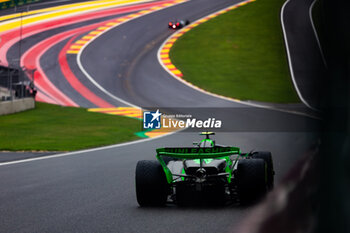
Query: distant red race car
pixel 178 24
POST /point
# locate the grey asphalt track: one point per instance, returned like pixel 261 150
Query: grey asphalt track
pixel 128 66
pixel 6 156
pixel 306 59
pixel 95 191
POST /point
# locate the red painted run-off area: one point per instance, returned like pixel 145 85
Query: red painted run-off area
pixel 31 59
pixel 74 81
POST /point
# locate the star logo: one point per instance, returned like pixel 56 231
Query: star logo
pixel 151 120
pixel 156 115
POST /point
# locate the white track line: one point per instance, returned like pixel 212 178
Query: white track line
pixel 220 96
pixel 315 32
pixel 290 60
pixel 88 150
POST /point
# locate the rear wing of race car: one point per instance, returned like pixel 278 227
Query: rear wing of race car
pixel 197 152
pixel 193 153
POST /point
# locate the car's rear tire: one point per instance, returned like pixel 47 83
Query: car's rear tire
pixel 251 180
pixel 151 185
pixel 267 157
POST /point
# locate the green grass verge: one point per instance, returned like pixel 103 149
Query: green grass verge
pixel 55 128
pixel 239 54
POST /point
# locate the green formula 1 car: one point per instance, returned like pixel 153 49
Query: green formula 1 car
pixel 206 173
